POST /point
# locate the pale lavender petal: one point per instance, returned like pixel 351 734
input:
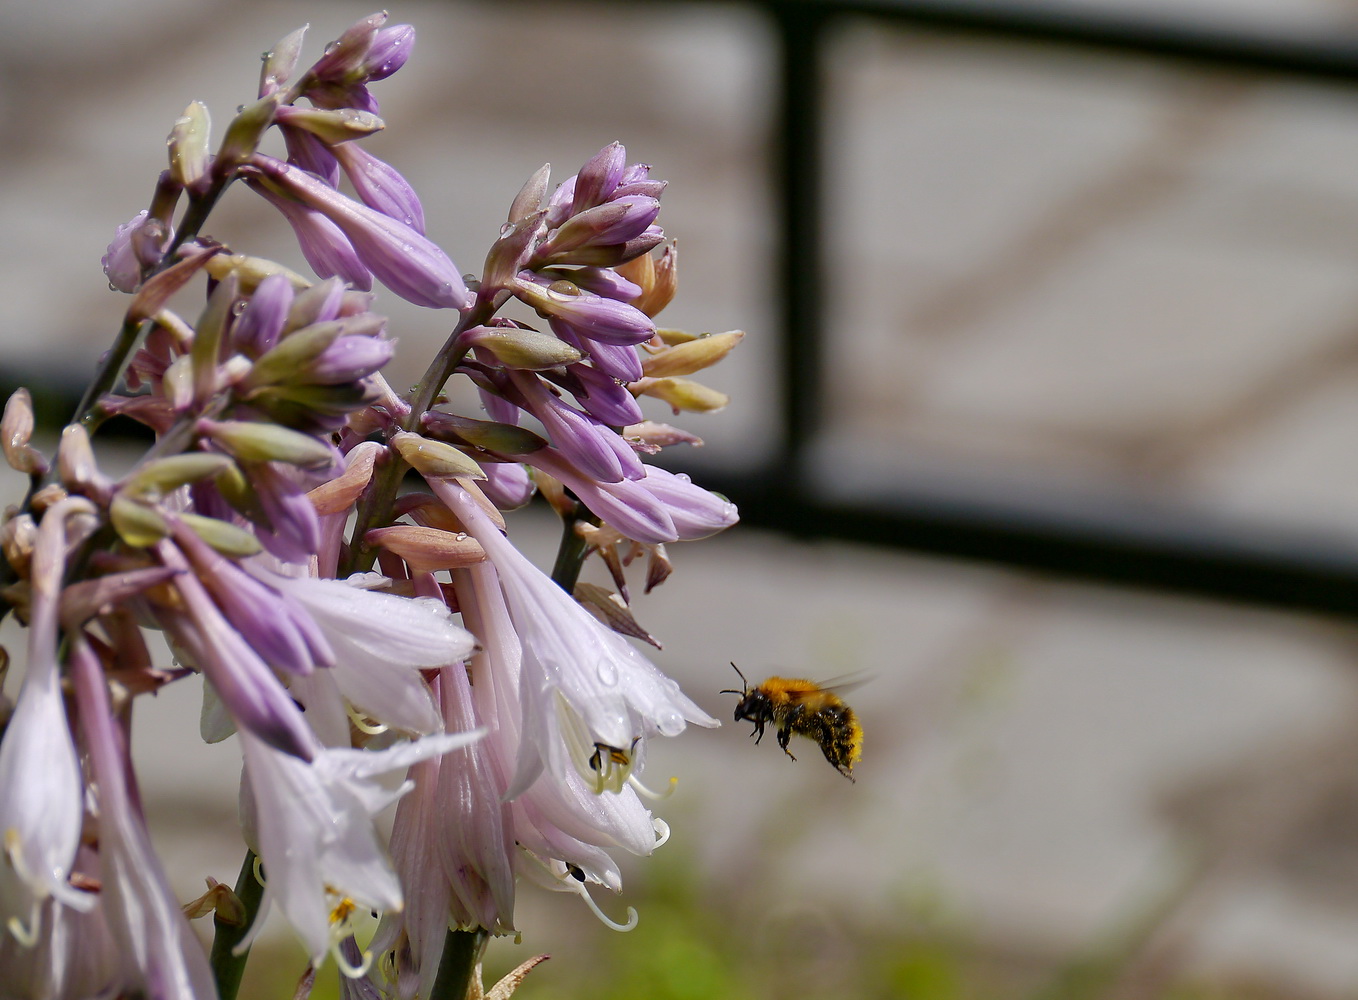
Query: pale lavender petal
pixel 261 322
pixel 409 264
pixel 324 245
pixel 380 186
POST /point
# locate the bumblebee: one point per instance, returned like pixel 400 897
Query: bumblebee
pixel 807 709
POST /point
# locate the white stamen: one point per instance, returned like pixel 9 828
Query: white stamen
pixel 662 830
pixel 26 936
pixel 604 919
pixel 651 793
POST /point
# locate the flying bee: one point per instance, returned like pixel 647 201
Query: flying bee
pixel 807 709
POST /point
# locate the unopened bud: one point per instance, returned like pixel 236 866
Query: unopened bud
pixel 167 474
pixel 344 57
pixel 137 524
pixel 331 126
pixel 683 394
pixel 283 362
pixel 206 351
pixel 529 198
pixel 75 461
pixel 16 430
pixel 672 338
pixel 17 538
pixel 226 538
pixel 486 435
pixel 434 459
pixel 177 383
pixel 252 442
pixel 188 145
pixel 525 349
pixel 251 270
pixel 280 62
pixel 694 356
pixel 427 550
pixel 649 436
pixel 511 251
pixel 244 133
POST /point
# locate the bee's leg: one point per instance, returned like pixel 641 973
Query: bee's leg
pixel 758 732
pixel 784 735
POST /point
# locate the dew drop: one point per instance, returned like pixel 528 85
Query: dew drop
pixel 407 248
pixel 608 673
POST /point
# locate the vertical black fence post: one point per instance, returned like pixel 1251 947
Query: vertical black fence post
pixel 799 158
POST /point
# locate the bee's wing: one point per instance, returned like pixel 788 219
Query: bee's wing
pixel 852 681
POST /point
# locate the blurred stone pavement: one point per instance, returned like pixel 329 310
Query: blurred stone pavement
pixel 1059 268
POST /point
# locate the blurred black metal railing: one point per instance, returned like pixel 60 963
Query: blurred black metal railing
pixel 1102 538
pixel 1098 538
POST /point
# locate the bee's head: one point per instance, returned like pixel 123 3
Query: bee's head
pixel 755 706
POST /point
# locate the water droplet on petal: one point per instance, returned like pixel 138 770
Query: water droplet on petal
pixel 608 673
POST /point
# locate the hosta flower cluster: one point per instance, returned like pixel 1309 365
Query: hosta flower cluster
pixel 331 557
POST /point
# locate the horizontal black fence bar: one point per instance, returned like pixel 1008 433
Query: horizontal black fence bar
pixel 1153 548
pixel 1202 40
pixel 1158 549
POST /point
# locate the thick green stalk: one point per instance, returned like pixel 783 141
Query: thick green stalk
pixel 228 968
pixel 461 951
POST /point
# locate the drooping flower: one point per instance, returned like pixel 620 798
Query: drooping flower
pixel 41 793
pixel 588 697
pixel 311 823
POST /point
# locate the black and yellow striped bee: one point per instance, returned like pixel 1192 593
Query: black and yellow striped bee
pixel 807 709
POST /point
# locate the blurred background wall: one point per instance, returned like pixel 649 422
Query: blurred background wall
pixel 1054 273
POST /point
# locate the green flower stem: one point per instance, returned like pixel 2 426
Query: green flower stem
pixel 461 951
pixel 374 509
pixel 571 550
pixel 228 968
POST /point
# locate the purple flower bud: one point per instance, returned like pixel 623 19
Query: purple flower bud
pixel 273 624
pixel 627 505
pixel 604 397
pixel 592 447
pixel 614 361
pixel 601 255
pixel 696 512
pixel 261 321
pixel 407 263
pixel 390 49
pixel 507 484
pixel 322 242
pixel 586 315
pixel 296 530
pixel 309 153
pixel 498 408
pixel 379 185
pixel 344 57
pixel 649 188
pixel 559 204
pixel 349 359
pixel 604 281
pixel 610 224
pixel 321 303
pixel 597 178
pixel 136 244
